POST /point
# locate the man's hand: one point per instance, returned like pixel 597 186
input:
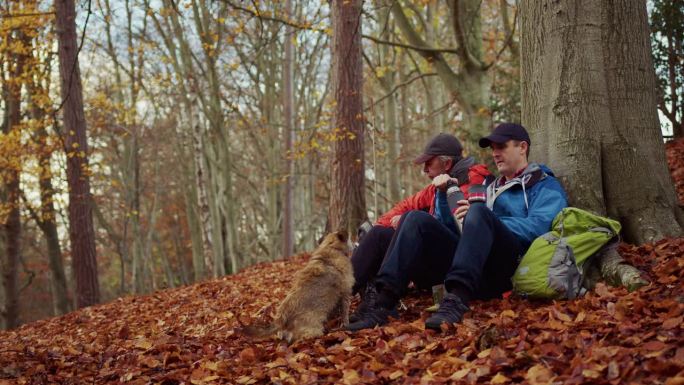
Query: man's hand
pixel 442 180
pixel 462 209
pixel 395 221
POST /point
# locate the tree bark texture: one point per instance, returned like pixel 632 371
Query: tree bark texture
pixel 347 195
pixel 10 177
pixel 81 231
pixel 201 181
pixel 288 127
pixel 588 92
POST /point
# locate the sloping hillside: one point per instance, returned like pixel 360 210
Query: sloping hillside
pixel 189 335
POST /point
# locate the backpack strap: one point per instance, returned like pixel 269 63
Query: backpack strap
pixel 601 229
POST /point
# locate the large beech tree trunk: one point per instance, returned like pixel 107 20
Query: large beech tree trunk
pixel 588 99
pixel 347 195
pixel 81 231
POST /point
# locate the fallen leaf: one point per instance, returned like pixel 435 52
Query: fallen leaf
pixel 499 379
pixel 350 377
pixel 460 374
pixel 248 355
pixel 654 345
pixel 143 344
pixel 588 373
pixel 538 375
pixel 673 323
pixel 396 374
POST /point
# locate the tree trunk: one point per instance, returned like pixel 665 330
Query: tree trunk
pixel 347 195
pixel 588 91
pixel 469 86
pixel 288 127
pixel 46 220
pixel 388 82
pixel 198 267
pixel 435 98
pixel 201 183
pixel 81 231
pixel 10 176
pixel 47 223
pixel 3 257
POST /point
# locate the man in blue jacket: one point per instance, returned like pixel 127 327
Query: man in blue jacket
pixel 499 225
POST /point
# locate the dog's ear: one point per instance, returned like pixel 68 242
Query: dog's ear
pixel 342 235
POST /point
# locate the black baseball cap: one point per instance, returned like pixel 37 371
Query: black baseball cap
pixel 505 132
pixel 441 144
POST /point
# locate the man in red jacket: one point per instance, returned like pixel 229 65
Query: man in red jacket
pixel 443 163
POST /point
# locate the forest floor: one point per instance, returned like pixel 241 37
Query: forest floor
pixel 190 335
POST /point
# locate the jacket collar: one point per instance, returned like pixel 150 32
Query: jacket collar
pixel 460 170
pixel 532 174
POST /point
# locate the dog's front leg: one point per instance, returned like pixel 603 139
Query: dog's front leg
pixel 346 302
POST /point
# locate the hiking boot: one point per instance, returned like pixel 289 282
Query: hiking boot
pixel 451 310
pixel 373 316
pixel 369 297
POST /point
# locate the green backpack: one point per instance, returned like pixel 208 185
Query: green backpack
pixel 553 265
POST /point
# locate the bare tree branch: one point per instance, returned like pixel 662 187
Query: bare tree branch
pixel 404 84
pixel 422 48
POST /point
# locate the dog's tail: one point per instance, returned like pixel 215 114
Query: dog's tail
pixel 259 331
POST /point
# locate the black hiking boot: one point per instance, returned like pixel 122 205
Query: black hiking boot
pixel 372 317
pixel 377 308
pixel 369 297
pixel 450 311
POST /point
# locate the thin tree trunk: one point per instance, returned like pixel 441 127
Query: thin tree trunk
pixel 390 109
pixel 588 91
pixel 81 231
pixel 434 94
pixel 47 223
pixel 3 258
pixel 190 196
pixel 347 195
pixel 201 183
pixel 46 220
pixel 10 177
pixel 288 127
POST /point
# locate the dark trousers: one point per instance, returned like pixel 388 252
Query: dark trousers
pixel 480 262
pixel 368 256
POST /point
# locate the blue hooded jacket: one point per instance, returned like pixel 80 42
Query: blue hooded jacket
pixel 528 203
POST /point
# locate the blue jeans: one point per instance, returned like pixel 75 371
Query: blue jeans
pixel 481 261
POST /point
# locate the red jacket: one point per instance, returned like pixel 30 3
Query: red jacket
pixel 425 198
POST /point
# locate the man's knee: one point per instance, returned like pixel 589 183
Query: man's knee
pixel 376 234
pixel 415 218
pixel 479 212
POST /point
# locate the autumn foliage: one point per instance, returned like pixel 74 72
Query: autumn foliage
pixel 191 335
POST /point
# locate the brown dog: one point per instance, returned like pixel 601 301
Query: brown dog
pixel 321 287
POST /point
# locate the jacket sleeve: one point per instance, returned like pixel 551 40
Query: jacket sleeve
pixel 418 201
pixel 442 212
pixel 548 201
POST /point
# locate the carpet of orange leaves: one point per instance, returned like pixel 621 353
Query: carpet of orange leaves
pixel 190 335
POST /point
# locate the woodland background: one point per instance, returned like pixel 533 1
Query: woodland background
pixel 211 136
